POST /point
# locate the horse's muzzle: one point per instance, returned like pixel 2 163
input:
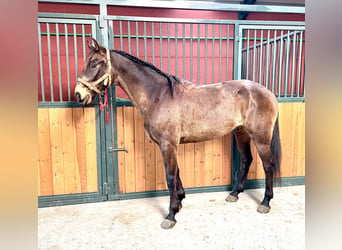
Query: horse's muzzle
pixel 79 99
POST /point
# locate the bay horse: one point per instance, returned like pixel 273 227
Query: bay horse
pixel 171 113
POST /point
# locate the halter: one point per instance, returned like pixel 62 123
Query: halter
pixel 107 78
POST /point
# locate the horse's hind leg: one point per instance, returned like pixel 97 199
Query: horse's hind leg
pixel 180 190
pixel 265 155
pixel 244 148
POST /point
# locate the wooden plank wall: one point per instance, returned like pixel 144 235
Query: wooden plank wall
pixel 67 160
pixel 142 169
pixel 201 164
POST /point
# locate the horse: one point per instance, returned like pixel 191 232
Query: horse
pixel 169 107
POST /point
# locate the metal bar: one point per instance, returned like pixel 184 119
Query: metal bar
pixel 161 46
pixel 121 40
pixel 272 40
pixel 260 59
pixel 137 39
pixel 183 27
pixel 83 42
pixel 129 36
pixel 41 64
pixel 267 58
pixel 280 71
pixel 206 54
pixel 227 67
pixel 168 48
pixel 247 55
pixel 198 54
pixel 274 57
pixel 299 62
pixel 176 50
pixel 67 61
pixel 153 46
pixel 191 53
pixel 254 54
pixel 76 54
pixel 213 56
pixel 293 65
pixel 145 42
pixel 50 62
pixel 220 55
pixel 287 62
pixel 59 65
pixel 212 5
pixel 111 35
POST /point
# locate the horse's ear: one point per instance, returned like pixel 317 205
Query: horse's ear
pixel 93 46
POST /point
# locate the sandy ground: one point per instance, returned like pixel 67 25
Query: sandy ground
pixel 206 221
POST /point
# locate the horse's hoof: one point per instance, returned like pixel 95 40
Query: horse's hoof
pixel 168 224
pixel 263 209
pixel 231 198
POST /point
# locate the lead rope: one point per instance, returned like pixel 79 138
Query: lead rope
pixel 104 105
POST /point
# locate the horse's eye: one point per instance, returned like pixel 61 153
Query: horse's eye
pixel 93 64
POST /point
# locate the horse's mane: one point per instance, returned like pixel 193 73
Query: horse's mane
pixel 151 66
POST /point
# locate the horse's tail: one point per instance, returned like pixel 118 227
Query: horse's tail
pixel 276 149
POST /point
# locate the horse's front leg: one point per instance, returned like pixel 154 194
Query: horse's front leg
pixel 169 152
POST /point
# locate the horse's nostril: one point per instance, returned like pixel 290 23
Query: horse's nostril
pixel 77 96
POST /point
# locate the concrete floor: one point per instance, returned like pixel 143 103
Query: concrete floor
pixel 206 221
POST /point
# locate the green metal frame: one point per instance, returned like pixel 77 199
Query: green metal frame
pixel 107 133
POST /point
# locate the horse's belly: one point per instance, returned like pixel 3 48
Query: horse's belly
pixel 203 132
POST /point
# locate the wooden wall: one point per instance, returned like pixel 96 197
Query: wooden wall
pixel 201 164
pixel 67 160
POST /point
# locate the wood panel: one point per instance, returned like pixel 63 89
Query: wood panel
pixel 142 169
pixel 67 161
pixel 292 136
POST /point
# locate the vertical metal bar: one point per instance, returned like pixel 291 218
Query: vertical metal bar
pixel 67 60
pixel 111 35
pixel 145 41
pixel 176 50
pixel 83 42
pixel 247 55
pixel 168 49
pixel 41 63
pixel 129 36
pixel 287 62
pixel 198 54
pixel 183 27
pixel 261 56
pixel 254 54
pixel 227 67
pixel 50 62
pixel 220 56
pixel 59 65
pixel 206 54
pixel 191 53
pixel 75 47
pixel 213 62
pixel 161 46
pixel 267 58
pixel 293 64
pixel 121 41
pixel 137 37
pixel 274 57
pixel 153 46
pixel 280 71
pixel 300 62
pixel 238 52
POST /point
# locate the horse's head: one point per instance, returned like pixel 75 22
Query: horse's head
pixel 95 76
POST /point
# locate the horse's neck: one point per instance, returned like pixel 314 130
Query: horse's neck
pixel 134 82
